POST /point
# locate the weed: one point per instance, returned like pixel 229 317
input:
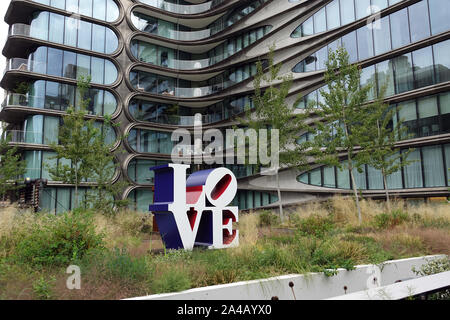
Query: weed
pixel 43 288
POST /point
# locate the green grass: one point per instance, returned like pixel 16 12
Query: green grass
pixel 34 253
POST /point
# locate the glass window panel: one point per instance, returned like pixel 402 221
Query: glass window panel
pixel 362 8
pixel 379 4
pixel 433 165
pixel 385 77
pixel 51 130
pixel 375 178
pixel 99 9
pixel 428 116
pixel 249 200
pixel 447 160
pixel 33 160
pixel 63 203
pixel 360 178
pixel 315 177
pixel 112 41
pixel 423 67
pixel 404 79
pixel 381 36
pixel 304 178
pixel 67 96
pixel 97 70
pixel 400 28
pixel 257 199
pixel 98 38
pixel 110 72
pixel 72 6
pixel 365 43
pixel 439 15
pixel 58 4
pixel 349 43
pixel 321 58
pixel 368 78
pixel 48 162
pixel 71 31
pixel 84 35
pixel 442 60
pixel 39 25
pixel 144 175
pixel 83 65
pixel 112 11
pixel 413 171
pixel 56 28
pixel 329 179
pixel 54 65
pixel 110 103
pixel 307 28
pixel 37 94
pixel 320 23
pixel 347 11
pixel 48 200
pixel 52 96
pixel 86 7
pixel 333 15
pixel 70 65
pixel 343 178
pixel 394 181
pixel 444 105
pixel 408 113
pixel 419 21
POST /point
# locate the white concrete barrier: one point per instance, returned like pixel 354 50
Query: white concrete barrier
pixel 311 286
pixel 402 290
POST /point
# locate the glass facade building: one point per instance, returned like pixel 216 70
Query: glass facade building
pixel 156 64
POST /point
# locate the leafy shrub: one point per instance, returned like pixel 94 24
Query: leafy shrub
pixel 42 288
pixel 315 225
pixel 267 218
pixel 390 220
pixel 172 280
pixel 58 240
pixel 433 267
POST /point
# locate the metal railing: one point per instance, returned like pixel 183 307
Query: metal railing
pixel 17 136
pixel 182 9
pixel 19 29
pixel 178 120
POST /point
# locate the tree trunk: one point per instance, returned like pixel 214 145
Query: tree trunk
pixel 279 197
pixel 76 187
pixel 388 201
pixel 355 191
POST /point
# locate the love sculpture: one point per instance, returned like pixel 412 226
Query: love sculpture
pixel 194 211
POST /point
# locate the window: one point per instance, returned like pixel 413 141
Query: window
pixel 400 28
pixel 365 43
pixel 428 116
pixel 413 171
pixel 54 65
pixel 382 37
pixel 56 28
pixel 442 60
pixel 385 77
pixel 320 23
pixel 347 11
pixel 439 15
pixel 403 73
pixel 333 15
pixel 423 67
pixel 419 21
pixel 433 166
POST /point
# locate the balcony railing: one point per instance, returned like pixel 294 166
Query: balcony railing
pixel 179 120
pixel 19 29
pixel 16 136
pixel 193 92
pixel 182 9
pixel 23 100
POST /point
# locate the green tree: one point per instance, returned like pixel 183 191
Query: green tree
pixel 343 121
pixel 271 111
pixel 11 166
pixel 82 147
pixel 380 149
pixel 103 194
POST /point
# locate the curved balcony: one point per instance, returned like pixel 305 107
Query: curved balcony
pixel 176 120
pixel 19 29
pixel 17 136
pixel 182 9
pixel 20 64
pixel 189 92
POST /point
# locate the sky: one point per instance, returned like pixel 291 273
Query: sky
pixel 3 35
